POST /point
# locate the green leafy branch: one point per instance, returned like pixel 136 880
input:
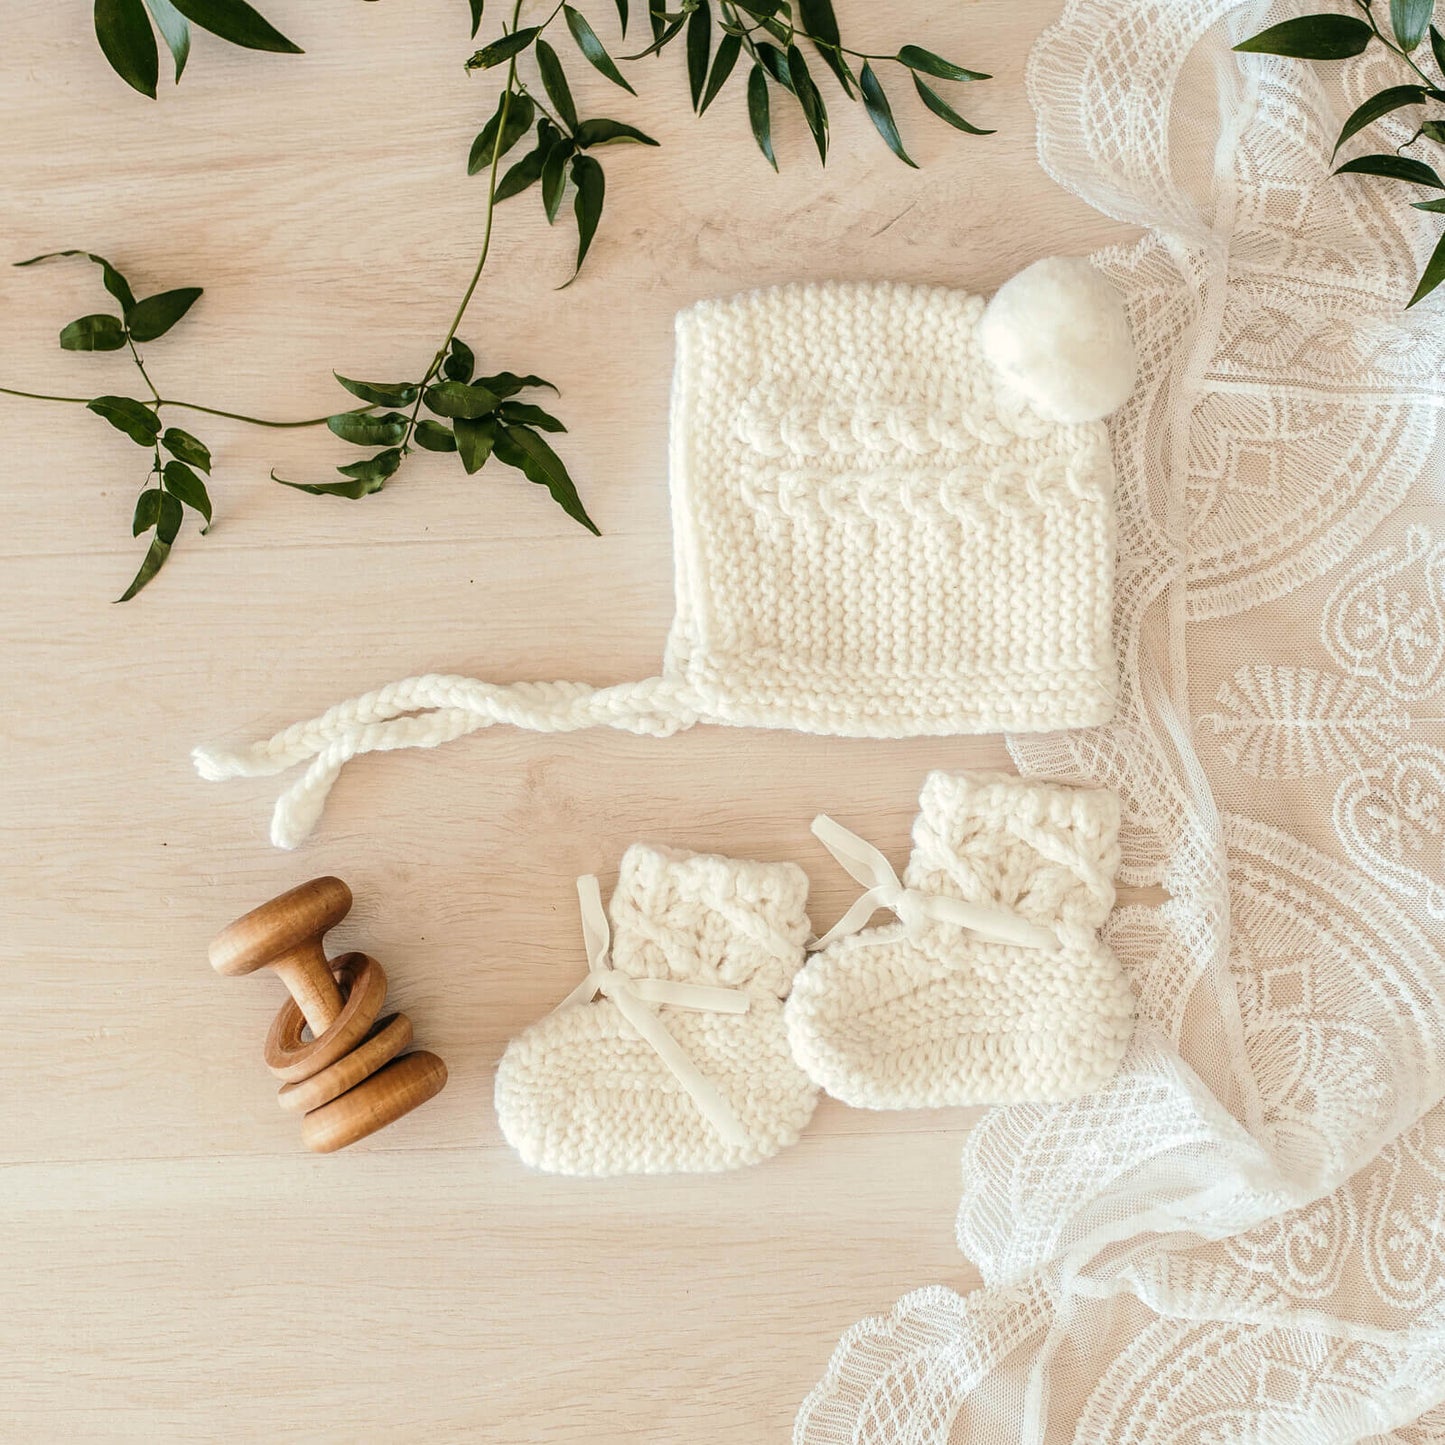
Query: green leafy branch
pixel 159 508
pixel 485 418
pixel 128 42
pixel 476 417
pixel 1340 36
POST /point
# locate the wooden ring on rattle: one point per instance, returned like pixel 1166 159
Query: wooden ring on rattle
pixel 363 983
pixel 381 1045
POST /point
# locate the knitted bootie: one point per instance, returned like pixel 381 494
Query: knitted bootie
pixel 682 1064
pixel 993 986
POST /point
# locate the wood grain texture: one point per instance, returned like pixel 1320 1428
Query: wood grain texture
pixel 170 1249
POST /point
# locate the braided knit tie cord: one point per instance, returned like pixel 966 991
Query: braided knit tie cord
pixel 425 712
pixel 870 868
pixel 636 999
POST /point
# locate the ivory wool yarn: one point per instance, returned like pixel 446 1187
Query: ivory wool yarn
pixel 993 987
pixel 892 514
pixel 672 1055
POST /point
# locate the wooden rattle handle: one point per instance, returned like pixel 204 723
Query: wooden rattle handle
pixel 285 935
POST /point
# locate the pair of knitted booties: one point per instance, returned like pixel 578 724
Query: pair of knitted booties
pixel 699 1040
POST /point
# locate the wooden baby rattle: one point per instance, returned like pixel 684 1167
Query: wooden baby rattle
pixel 347 1079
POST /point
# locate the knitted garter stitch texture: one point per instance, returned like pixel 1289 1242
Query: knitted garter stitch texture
pixel 881 529
pixel 928 1015
pixel 583 1092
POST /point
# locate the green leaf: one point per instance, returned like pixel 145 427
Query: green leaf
pixel 758 113
pixel 1394 98
pixel 1311 37
pixel 374 469
pixel 729 48
pixel 779 29
pixel 622 14
pixel 457 399
pixel 822 25
pixel 169 517
pixel 1437 47
pixel 591 190
pixel 126 414
pixel 592 47
pixel 477 6
pixel 380 393
pixel 362 430
pixel 504 49
pixel 527 171
pixel 1410 19
pixel 1395 168
pixel 461 361
pixel 150 319
pixel 354 490
pixel 1433 130
pixel 185 486
pixel 128 43
pixel 520 112
pixel 1437 205
pixel 943 110
pixel 915 57
pixel 147 511
pixel 508 383
pixel 373 473
pixel 518 447
pixel 236 21
pixel 474 439
pixel 664 29
pixel 554 80
pixel 155 559
pixel 175 30
pixel 699 50
pixel 811 101
pixel 776 64
pixel 1433 274
pixel 881 113
pixel 184 447
pixel 554 177
pixel 93 333
pixel 604 132
pixel 521 413
pixel 115 283
pixel 432 436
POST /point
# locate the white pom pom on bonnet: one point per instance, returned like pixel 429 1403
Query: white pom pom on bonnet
pixel 893 516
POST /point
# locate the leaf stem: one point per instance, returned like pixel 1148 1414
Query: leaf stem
pixel 256 420
pixel 461 311
pixel 45 396
pixel 184 405
pixel 524 89
pixel 145 375
pixel 1403 54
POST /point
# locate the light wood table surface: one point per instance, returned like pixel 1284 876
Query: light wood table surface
pixel 173 1266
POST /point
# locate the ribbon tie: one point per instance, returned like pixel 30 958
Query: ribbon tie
pixel 637 999
pixel 912 907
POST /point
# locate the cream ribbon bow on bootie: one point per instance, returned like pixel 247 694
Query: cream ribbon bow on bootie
pixel 671 1056
pixel 637 1000
pixel 1006 995
pixel 913 908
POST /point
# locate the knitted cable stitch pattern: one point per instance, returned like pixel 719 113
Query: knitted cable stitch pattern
pixel 925 1013
pixel 584 1092
pixel 893 516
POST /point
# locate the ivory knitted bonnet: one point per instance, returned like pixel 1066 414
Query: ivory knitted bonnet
pixel 892 515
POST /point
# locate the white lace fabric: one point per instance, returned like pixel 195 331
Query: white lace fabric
pixel 1242 1238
